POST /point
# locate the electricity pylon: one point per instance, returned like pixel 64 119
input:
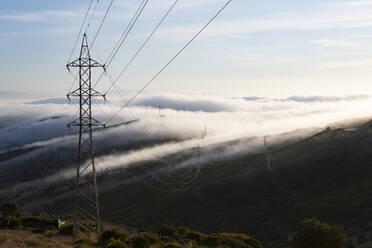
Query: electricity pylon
pixel 86 212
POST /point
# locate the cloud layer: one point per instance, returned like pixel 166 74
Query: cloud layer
pixel 34 136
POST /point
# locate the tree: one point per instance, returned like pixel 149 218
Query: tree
pixel 140 242
pixel 113 234
pixel 9 209
pixel 166 230
pixel 314 234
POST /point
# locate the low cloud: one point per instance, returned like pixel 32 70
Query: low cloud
pixel 35 137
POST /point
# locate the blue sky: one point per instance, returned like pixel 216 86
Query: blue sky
pixel 267 47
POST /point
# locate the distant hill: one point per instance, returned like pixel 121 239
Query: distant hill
pixel 326 175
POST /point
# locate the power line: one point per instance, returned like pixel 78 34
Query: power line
pixel 91 16
pixel 142 46
pixel 125 34
pixel 157 74
pixel 81 29
pixel 102 22
pixel 122 38
pixel 77 38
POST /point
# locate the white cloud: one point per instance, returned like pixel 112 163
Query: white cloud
pixel 184 119
pixel 353 3
pixel 344 64
pixel 320 18
pixel 41 16
pixel 328 43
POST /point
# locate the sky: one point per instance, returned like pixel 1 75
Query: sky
pixel 254 48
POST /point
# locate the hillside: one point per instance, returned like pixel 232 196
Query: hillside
pixel 326 175
pixel 27 238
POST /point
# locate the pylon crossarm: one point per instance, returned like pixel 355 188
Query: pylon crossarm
pixel 74 123
pixel 74 93
pixel 96 93
pixel 96 123
pixel 94 63
pixel 75 63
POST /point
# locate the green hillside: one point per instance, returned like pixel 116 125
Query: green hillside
pixel 325 176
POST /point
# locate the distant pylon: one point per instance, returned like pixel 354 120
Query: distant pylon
pixel 86 212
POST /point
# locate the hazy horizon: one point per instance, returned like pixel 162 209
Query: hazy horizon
pixel 264 48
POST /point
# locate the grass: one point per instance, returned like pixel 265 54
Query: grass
pixel 33 243
pixel 82 243
pixel 2 239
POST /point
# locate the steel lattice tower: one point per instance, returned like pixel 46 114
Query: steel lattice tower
pixel 86 212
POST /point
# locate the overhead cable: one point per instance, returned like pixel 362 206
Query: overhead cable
pixel 142 46
pixel 157 74
pixel 123 37
pixel 102 22
pixel 81 29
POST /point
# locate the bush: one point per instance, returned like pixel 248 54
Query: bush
pixel 114 243
pixel 10 223
pixel 82 243
pixel 66 230
pixel 313 233
pixel 38 231
pixel 35 222
pixel 9 209
pixel 247 240
pixel 167 230
pixel 140 242
pixel 182 231
pixel 232 242
pixel 151 237
pixel 87 227
pixel 2 239
pixel 107 235
pixel 211 240
pixel 194 235
pixel 172 245
pixel 167 239
pixel 33 243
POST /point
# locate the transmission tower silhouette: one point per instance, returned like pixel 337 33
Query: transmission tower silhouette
pixel 86 211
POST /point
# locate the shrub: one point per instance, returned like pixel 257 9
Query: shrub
pixel 82 243
pixel 10 223
pixel 151 237
pixel 35 222
pixel 140 242
pixel 243 238
pixel 171 245
pixel 114 243
pixel 87 227
pixel 2 239
pixel 167 239
pixel 313 233
pixel 232 242
pixel 194 235
pixel 38 231
pixel 167 230
pixel 182 231
pixel 33 243
pixel 211 240
pixel 66 230
pixel 107 235
pixel 9 209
